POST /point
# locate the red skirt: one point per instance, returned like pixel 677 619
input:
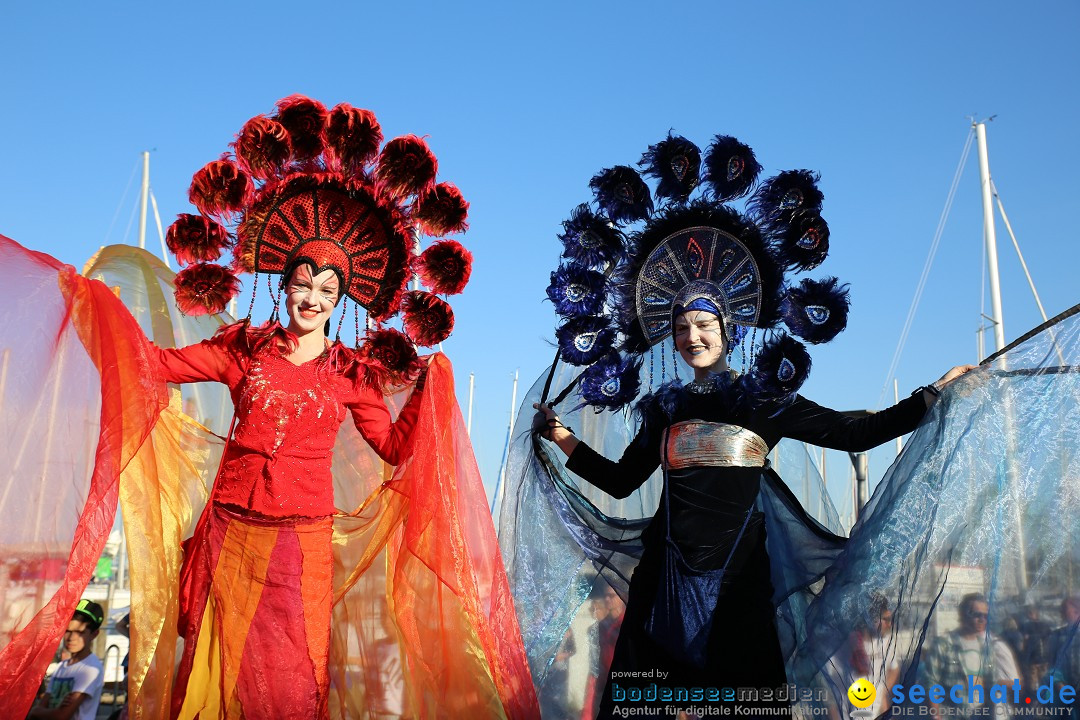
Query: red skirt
pixel 255 617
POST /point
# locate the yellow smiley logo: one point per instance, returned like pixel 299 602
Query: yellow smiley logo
pixel 862 693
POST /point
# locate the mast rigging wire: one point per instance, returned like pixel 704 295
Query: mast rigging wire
pixel 1020 255
pixel 926 267
pixel 120 204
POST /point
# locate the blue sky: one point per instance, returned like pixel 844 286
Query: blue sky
pixel 524 102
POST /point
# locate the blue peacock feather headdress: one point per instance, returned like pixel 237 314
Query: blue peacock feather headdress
pixel 637 253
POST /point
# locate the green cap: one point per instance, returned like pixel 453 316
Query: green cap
pixel 94 612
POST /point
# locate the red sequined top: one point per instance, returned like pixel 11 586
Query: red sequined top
pixel 277 462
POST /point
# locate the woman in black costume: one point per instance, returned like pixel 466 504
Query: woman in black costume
pixel 713 447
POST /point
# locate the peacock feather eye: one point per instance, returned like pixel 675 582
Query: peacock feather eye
pixel 680 164
pixel 589 240
pixel 576 292
pixel 792 199
pixel 786 371
pixel 585 341
pixel 735 167
pixel 810 239
pixel 817 314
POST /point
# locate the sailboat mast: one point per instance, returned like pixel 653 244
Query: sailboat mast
pixel 143 198
pixel 990 236
pixel 497 495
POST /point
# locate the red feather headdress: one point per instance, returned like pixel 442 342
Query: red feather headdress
pixel 311 185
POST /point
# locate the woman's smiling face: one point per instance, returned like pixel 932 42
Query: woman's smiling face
pixel 699 337
pixel 310 299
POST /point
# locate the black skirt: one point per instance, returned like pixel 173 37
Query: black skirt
pixel 743 663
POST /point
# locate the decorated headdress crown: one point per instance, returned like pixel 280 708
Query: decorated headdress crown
pixel 635 257
pixel 311 185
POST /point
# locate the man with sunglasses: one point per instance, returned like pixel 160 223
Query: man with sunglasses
pixel 971 656
pixel 74 690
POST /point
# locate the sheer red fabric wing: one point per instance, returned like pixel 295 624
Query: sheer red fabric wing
pixel 449 532
pixel 65 359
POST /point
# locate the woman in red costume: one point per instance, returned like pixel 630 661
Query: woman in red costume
pixel 269 524
pixel 288 605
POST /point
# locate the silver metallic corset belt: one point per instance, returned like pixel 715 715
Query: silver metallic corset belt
pixel 696 443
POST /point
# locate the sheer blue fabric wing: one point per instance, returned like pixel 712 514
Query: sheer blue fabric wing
pixel 560 536
pixel 984 499
pixel 801 550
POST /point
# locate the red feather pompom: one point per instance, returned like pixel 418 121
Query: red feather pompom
pixel 196 238
pixel 263 147
pixel 205 289
pixel 445 267
pixel 441 210
pixel 390 357
pixel 407 166
pixel 353 136
pixel 428 319
pixel 220 188
pixel 305 121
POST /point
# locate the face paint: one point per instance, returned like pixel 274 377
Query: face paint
pixel 699 337
pixel 310 300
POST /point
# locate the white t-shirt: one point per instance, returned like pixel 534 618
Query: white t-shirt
pixel 86 676
pixel 880 651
